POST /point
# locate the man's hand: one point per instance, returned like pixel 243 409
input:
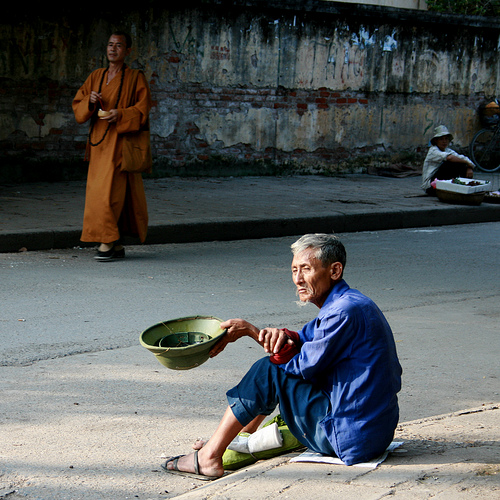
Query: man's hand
pixel 273 339
pixel 112 117
pixel 95 97
pixel 236 328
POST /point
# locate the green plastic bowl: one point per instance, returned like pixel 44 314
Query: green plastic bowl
pixel 183 343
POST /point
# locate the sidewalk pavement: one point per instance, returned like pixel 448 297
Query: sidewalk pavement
pixel 92 427
pixel 453 457
pixel 49 215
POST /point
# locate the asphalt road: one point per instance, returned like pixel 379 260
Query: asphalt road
pixel 87 413
pixel 438 287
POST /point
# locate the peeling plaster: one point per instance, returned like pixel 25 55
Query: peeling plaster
pixel 162 125
pixel 255 126
pixel 287 131
pixel 28 125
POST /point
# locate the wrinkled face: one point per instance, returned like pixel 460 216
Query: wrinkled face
pixel 117 49
pixel 442 142
pixel 313 281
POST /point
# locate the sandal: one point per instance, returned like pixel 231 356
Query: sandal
pixel 194 475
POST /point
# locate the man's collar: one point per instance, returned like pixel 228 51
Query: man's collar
pixel 337 290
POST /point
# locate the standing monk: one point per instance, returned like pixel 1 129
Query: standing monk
pixel 115 203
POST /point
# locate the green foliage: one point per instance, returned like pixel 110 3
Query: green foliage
pixel 466 7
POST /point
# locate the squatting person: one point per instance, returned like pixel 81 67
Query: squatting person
pixel 442 162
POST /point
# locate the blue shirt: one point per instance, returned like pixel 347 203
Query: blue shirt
pixel 349 351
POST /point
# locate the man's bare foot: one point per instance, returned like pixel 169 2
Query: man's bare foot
pixel 207 466
pixel 250 428
pixel 199 443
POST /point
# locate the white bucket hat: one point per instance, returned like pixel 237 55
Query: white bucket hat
pixel 441 131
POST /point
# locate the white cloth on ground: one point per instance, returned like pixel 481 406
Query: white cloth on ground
pixel 267 438
pixel 311 456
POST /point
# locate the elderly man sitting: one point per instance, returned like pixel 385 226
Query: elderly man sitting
pixel 336 381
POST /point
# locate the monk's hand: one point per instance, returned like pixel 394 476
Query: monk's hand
pixel 95 97
pixel 273 339
pixel 235 329
pixel 112 116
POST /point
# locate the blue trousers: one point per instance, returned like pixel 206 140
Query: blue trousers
pixel 302 404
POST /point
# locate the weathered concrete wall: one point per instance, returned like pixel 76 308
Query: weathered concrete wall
pixel 235 86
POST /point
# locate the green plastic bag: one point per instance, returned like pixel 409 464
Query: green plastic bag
pixel 233 460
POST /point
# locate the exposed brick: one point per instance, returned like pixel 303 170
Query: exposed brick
pixel 180 104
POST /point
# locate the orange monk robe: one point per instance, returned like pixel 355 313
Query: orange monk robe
pixel 115 202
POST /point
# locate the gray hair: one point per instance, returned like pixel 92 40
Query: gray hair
pixel 329 248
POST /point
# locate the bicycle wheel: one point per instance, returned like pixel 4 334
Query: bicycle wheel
pixel 485 150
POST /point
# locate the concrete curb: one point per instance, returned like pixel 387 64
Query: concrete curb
pixel 217 230
pixel 42 216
